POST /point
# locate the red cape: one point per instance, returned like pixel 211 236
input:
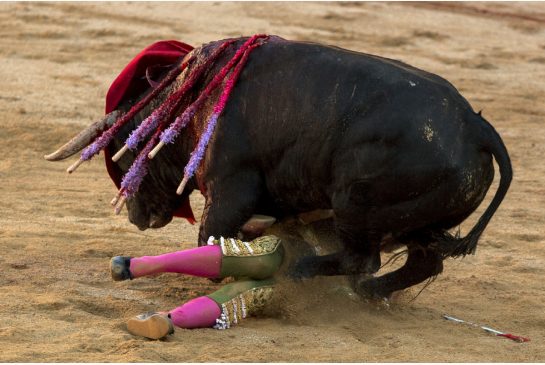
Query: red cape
pixel 132 82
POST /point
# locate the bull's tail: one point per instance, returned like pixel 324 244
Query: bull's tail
pixel 452 245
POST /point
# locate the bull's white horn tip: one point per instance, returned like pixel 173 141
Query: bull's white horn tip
pixel 49 157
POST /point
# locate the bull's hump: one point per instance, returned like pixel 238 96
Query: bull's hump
pixel 385 69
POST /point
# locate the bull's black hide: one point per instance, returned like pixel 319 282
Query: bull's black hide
pixel 394 151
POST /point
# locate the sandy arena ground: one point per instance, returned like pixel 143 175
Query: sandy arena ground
pixel 57 232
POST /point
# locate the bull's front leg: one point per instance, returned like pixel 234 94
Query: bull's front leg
pixel 230 202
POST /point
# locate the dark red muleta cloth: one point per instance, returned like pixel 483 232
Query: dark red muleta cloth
pixel 132 82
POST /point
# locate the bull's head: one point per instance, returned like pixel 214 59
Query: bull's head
pixel 151 190
pixel 156 201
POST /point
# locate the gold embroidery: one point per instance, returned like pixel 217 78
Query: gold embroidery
pixel 258 247
pixel 249 302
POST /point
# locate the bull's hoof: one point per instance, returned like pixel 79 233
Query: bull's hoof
pixel 357 279
pixel 302 269
pixel 370 264
pixel 120 268
pixel 151 325
pixel 371 290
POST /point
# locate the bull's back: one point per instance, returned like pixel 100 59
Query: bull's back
pixel 320 117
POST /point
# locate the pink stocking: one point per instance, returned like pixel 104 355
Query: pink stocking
pixel 200 312
pixel 203 261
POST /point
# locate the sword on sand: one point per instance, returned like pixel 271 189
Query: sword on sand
pixel 510 336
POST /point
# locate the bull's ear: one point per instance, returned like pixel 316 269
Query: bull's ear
pixel 258 224
pixel 84 138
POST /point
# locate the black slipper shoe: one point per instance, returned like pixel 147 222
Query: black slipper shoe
pixel 120 268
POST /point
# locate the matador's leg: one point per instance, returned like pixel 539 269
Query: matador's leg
pixel 257 259
pixel 219 310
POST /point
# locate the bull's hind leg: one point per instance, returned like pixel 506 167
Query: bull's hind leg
pixel 422 263
pixel 360 252
pixel 360 255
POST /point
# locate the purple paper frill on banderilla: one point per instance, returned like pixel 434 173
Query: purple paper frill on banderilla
pixel 144 129
pixel 133 178
pixel 131 181
pixel 93 149
pixel 170 134
pixel 198 153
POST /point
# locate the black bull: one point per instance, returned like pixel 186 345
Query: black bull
pixel 394 151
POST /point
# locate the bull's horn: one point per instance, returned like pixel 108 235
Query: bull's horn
pixel 84 138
